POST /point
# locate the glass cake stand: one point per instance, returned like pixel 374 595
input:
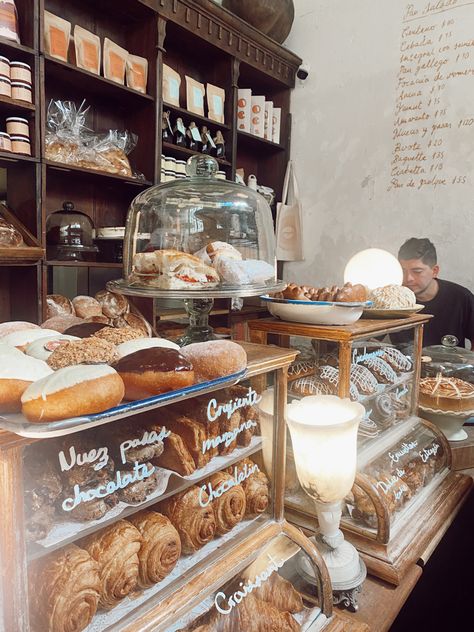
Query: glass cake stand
pixel 197 303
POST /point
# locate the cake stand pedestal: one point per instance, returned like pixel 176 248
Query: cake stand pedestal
pixel 197 303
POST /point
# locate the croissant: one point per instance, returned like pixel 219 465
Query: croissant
pixel 160 549
pixel 248 413
pixel 175 456
pixel 193 435
pixel 196 525
pixel 251 615
pixel 196 409
pixel 229 509
pixel 280 593
pixel 115 549
pixel 64 590
pixel 256 488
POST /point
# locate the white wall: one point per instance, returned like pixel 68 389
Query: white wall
pixel 342 146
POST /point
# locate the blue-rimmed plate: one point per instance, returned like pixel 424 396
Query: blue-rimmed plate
pixel 315 312
pixel 21 426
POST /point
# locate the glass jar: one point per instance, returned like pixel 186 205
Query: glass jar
pixel 193 244
pixel 69 235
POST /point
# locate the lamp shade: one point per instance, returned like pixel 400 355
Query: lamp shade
pixel 374 268
pixel 323 431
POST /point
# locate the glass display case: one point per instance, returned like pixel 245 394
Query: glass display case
pixel 69 235
pixel 403 462
pixel 108 525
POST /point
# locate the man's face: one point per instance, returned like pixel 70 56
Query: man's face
pixel 417 275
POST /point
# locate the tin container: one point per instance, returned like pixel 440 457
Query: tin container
pixel 17 126
pixel 4 66
pixel 21 145
pixel 22 91
pixel 5 86
pixel 19 71
pixel 5 142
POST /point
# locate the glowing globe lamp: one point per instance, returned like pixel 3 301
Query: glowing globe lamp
pixel 374 268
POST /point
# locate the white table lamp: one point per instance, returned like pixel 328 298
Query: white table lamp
pixel 374 268
pixel 323 431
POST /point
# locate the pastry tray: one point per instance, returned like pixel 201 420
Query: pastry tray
pixel 18 424
pixel 170 483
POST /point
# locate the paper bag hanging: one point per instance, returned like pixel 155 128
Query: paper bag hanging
pixel 289 245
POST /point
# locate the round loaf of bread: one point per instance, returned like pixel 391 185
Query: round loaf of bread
pixel 136 321
pixel 72 392
pixel 61 323
pixel 86 306
pixel 113 305
pixel 153 371
pixel 58 305
pixel 11 326
pixel 17 372
pixel 215 358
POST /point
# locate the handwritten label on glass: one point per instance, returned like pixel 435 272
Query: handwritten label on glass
pixel 239 477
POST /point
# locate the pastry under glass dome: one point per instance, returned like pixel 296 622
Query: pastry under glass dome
pixel 198 239
pixel 227 226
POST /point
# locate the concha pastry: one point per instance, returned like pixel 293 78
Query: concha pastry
pixel 447 394
pixel 392 297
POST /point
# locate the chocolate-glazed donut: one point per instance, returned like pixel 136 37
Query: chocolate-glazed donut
pixel 152 371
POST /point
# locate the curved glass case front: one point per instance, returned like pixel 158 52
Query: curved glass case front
pixel 199 235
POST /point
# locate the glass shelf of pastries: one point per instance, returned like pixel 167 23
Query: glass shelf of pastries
pixel 403 462
pixel 104 524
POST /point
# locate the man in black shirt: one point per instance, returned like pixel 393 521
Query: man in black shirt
pixel 452 305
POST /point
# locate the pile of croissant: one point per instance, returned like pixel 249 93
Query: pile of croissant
pixel 68 586
pixel 348 293
pixel 268 608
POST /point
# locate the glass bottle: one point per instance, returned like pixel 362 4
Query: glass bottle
pixel 193 137
pixel 166 131
pixel 179 132
pixel 220 145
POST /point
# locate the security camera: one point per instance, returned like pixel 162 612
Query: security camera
pixel 303 72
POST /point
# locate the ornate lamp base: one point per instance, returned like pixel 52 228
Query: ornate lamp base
pixel 346 570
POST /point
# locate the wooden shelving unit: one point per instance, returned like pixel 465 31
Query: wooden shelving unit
pixel 198 39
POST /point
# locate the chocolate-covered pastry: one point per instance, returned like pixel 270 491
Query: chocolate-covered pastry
pixel 72 447
pixel 84 330
pixel 137 492
pixel 121 441
pixel 153 371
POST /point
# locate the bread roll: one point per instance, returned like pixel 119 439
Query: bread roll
pixel 71 392
pixel 118 335
pixel 17 373
pixel 125 348
pixel 215 358
pixel 61 323
pixel 160 548
pixel 136 321
pixel 42 348
pixel 86 351
pixel 86 306
pixel 115 549
pixel 64 590
pixel 21 339
pixel 58 305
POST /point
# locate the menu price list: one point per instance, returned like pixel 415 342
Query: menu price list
pixel 430 130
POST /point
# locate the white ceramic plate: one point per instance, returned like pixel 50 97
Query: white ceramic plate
pixel 315 312
pixel 401 312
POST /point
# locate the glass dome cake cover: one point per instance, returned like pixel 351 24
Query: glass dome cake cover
pixel 199 236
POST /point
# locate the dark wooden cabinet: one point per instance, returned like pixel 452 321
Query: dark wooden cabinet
pixel 196 38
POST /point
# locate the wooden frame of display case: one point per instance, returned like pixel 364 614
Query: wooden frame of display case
pixel 15 558
pixel 201 39
pixel 385 557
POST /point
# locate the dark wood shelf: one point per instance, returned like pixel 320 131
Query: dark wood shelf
pixel 84 264
pixel 184 151
pixel 86 81
pixel 250 140
pixel 195 117
pixel 7 158
pixel 96 174
pixel 14 47
pixel 7 105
